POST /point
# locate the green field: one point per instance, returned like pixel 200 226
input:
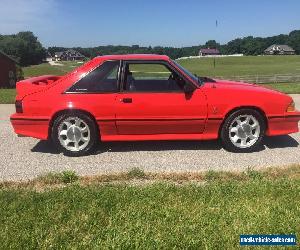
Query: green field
pixel 7 96
pixel 162 215
pixel 288 88
pixel 245 65
pixel 224 67
pixel 47 69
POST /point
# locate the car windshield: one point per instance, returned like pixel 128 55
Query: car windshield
pixel 194 77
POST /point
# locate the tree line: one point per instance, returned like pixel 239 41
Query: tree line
pixel 248 46
pixel 25 47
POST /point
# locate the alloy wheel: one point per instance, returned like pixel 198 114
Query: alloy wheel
pixel 74 134
pixel 244 131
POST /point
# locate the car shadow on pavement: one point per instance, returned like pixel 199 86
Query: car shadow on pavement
pixel 281 141
pixel 45 147
pixel 272 143
pixel 269 142
pixel 158 146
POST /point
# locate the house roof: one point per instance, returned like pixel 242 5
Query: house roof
pixel 58 54
pixel 69 52
pixel 9 57
pixel 73 52
pixel 279 47
pixel 210 51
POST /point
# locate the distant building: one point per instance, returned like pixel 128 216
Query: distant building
pixel 277 49
pixel 7 71
pixel 68 55
pixel 209 52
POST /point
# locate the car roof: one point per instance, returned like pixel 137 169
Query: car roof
pixel 134 57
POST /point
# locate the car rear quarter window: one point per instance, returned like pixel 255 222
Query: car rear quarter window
pixel 103 79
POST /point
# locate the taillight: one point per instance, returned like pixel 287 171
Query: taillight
pixel 19 106
pixel 291 107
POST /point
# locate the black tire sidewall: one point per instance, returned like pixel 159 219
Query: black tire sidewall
pixel 228 145
pixel 93 134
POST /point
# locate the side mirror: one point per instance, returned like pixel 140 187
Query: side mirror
pixel 188 88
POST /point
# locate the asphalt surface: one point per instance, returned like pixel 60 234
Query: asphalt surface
pixel 26 158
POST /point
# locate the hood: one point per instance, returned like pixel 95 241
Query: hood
pixel 245 85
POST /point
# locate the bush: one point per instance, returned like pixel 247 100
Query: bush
pixel 67 176
pixel 136 173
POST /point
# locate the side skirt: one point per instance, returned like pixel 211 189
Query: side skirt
pixel 159 137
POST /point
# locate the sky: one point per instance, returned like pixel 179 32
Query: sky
pixel 89 23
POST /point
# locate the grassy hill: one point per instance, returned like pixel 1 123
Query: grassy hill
pixel 47 69
pixel 245 65
pixel 224 66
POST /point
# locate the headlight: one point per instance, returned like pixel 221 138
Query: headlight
pixel 291 107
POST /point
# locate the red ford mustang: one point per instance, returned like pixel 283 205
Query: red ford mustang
pixel 147 97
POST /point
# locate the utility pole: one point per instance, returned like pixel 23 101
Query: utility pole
pixel 215 48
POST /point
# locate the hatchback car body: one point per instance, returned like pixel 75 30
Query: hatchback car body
pixel 147 97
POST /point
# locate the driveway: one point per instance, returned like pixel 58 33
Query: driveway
pixel 26 158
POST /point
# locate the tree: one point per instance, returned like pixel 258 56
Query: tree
pixel 212 44
pixel 24 46
pixel 294 40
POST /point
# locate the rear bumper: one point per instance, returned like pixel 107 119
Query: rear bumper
pixel 283 125
pixel 36 127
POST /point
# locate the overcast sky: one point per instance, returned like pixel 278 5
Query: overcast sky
pixel 147 22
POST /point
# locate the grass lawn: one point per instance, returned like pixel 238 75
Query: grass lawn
pixel 226 66
pixel 245 65
pixel 7 96
pixel 162 215
pixel 288 88
pixel 47 69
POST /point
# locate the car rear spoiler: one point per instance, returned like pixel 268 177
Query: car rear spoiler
pixel 34 84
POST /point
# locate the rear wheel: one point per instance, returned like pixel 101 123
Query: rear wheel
pixel 243 131
pixel 75 134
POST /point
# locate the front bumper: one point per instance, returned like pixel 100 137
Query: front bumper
pixel 36 127
pixel 283 125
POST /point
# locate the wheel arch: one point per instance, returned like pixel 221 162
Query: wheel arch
pixel 70 111
pixel 259 110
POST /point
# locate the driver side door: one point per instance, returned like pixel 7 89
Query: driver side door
pixel 152 101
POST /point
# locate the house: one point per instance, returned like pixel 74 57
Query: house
pixel 209 52
pixel 278 49
pixel 68 55
pixel 7 71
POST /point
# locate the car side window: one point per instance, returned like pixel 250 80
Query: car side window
pixel 151 77
pixel 103 79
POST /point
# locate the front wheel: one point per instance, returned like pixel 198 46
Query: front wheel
pixel 243 131
pixel 75 134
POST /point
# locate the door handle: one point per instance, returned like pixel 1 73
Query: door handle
pixel 126 100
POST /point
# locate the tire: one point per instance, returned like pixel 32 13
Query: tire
pixel 243 131
pixel 75 134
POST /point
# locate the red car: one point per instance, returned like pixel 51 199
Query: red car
pixel 147 97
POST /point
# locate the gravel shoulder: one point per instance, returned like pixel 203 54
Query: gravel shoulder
pixel 26 158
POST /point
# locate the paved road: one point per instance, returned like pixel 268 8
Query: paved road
pixel 26 158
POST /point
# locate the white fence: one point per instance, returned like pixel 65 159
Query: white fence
pixel 191 57
pixel 284 78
